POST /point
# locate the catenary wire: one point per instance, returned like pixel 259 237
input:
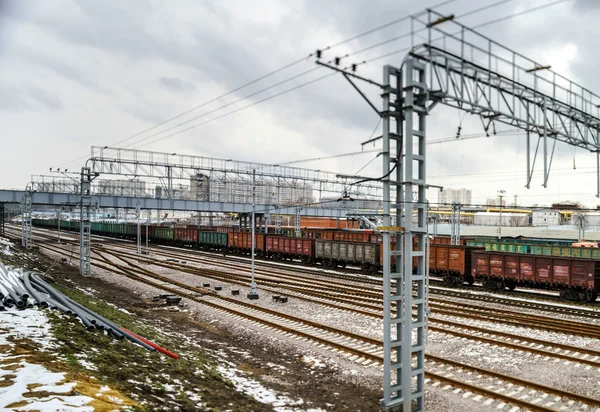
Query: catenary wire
pixel 258 79
pixel 397 51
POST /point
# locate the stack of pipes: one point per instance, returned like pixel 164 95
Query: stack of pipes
pixel 22 289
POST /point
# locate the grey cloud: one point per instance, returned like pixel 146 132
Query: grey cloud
pixel 12 100
pixel 28 98
pixel 47 99
pixel 175 84
pixel 147 115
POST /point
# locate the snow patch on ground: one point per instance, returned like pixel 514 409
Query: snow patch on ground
pixel 33 324
pixel 5 246
pixel 249 386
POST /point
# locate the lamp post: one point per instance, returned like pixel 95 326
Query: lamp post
pixel 500 195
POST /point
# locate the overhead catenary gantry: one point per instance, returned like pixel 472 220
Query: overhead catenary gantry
pixel 460 68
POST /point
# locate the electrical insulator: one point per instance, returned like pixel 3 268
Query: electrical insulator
pixel 458 132
pixel 319 52
pixel 337 61
pixel 354 67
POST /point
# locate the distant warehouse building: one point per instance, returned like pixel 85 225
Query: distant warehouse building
pixel 545 217
pixel 508 219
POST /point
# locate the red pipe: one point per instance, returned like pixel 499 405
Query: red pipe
pixel 154 345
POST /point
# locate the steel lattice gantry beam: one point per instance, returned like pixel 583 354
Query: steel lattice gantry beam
pixel 169 167
pixel 473 73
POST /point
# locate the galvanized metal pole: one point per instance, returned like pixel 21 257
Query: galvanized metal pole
pixel 253 295
pixel 85 231
pixel 139 240
pixel 528 159
pixel 501 195
pixel 147 224
pixel 58 224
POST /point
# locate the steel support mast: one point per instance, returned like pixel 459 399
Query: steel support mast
pixel 85 229
pixel 253 295
pixel 455 224
pixel 27 210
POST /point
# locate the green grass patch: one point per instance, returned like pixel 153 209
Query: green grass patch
pixel 142 374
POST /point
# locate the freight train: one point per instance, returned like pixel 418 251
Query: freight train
pixel 577 278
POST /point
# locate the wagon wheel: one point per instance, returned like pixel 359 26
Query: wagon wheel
pixel 511 286
pixel 592 297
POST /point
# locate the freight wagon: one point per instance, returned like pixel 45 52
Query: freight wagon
pixel 185 236
pixel 241 243
pixel 336 253
pixel 577 279
pixel 452 262
pixel 281 247
pixel 538 249
pixel 212 240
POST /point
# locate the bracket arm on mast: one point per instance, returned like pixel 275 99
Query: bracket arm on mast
pixel 362 94
pixel 364 79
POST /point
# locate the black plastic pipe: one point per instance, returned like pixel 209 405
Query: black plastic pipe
pixel 116 329
pixel 40 301
pixel 61 298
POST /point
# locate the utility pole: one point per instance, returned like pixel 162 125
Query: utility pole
pixel 139 231
pixel 500 195
pixel 253 295
pixel 435 218
pixel 58 216
pixel 147 224
pixel 580 226
pixel 455 224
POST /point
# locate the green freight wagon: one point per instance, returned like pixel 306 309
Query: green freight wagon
pixel 212 240
pixel 163 234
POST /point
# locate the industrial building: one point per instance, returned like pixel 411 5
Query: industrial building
pixel 545 217
pixel 449 196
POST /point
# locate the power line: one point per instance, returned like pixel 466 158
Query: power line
pixel 241 108
pixel 448 139
pixel 258 79
pixel 225 105
pixel 335 45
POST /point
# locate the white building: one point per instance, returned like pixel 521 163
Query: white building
pixel 449 196
pixel 545 217
pixel 508 219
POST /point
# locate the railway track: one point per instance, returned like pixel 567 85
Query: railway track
pixel 367 299
pixel 539 302
pixel 239 263
pixel 370 299
pixel 538 347
pixel 528 345
pixel 366 350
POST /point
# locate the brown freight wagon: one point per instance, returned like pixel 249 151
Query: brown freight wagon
pixel 241 243
pixel 281 247
pixel 453 262
pixel 576 278
pixel 185 235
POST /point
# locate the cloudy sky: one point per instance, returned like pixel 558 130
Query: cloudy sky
pixel 81 73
